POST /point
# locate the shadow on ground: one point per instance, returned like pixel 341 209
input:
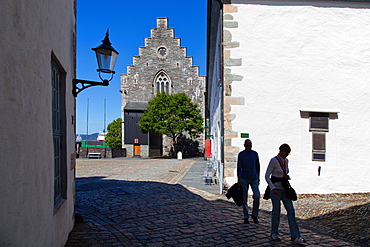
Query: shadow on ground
pixel 135 213
pixel 140 213
pixel 352 223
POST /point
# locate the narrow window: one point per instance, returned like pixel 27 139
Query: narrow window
pixel 319 124
pixel 162 86
pixel 59 138
pixel 318 146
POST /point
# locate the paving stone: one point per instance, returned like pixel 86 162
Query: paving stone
pixel 137 202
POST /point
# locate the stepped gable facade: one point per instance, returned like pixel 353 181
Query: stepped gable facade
pixel 161 66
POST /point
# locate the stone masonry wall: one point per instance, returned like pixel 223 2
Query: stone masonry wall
pixel 104 152
pixel 162 58
pixel 230 151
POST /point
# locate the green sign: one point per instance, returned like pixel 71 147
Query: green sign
pixel 244 135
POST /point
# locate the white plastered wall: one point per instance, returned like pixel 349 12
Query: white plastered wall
pixel 215 109
pixel 31 31
pixel 305 55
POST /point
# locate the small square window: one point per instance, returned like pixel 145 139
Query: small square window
pixel 319 122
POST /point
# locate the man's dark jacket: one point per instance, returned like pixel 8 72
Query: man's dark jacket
pixel 236 193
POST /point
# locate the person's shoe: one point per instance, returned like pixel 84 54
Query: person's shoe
pixel 275 237
pixel 246 221
pixel 255 219
pixel 298 240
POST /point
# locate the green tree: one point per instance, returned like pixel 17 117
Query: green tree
pixel 172 115
pixel 114 135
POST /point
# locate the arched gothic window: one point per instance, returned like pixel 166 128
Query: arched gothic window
pixel 163 83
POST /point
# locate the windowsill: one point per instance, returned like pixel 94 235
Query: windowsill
pixel 320 110
pixel 59 206
pixel 305 113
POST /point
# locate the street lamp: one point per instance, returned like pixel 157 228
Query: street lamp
pixel 106 56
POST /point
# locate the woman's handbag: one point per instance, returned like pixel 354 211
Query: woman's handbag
pixel 290 193
pixel 267 196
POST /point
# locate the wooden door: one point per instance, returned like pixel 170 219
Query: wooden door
pixel 136 150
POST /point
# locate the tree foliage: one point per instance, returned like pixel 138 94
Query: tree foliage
pixel 172 115
pixel 114 135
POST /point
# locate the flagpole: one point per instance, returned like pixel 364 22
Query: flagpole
pixel 87 128
pixel 104 133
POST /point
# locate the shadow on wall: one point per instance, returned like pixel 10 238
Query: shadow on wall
pixel 188 147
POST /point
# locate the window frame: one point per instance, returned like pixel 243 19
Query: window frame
pixel 315 150
pixel 319 121
pixel 311 114
pixel 163 85
pixel 58 108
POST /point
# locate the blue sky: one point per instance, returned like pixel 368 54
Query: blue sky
pixel 129 23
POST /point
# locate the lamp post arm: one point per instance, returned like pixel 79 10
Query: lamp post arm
pixel 80 85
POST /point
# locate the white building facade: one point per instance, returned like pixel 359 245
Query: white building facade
pixel 293 72
pixel 37 158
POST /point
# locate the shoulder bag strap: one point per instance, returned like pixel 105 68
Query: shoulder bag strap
pixel 281 165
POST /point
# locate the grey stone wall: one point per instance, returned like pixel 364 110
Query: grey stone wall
pixel 162 56
pixel 105 152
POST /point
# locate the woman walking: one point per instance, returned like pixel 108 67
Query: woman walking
pixel 276 176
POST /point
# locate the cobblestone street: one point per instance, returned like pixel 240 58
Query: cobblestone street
pixel 144 202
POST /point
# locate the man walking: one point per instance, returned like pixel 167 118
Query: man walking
pixel 248 171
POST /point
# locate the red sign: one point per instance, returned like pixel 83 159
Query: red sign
pixel 208 148
pixel 136 140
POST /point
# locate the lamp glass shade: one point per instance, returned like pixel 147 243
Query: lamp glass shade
pixel 106 59
pixel 106 55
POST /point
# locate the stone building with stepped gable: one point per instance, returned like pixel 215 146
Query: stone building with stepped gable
pixel 161 66
pixel 293 72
